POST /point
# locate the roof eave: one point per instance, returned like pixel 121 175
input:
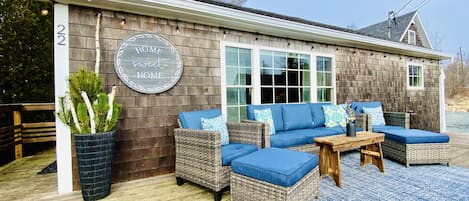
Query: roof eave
pixel 199 12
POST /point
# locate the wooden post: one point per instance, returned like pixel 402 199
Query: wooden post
pixel 18 134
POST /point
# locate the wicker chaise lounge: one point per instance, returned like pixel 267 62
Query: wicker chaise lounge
pixel 406 145
pixel 200 156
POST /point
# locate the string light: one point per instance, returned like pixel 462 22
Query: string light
pixel 44 12
pixel 123 22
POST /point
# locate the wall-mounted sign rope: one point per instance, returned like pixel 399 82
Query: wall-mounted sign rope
pixel 148 63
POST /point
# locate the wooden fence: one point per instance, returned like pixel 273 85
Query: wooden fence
pixel 14 136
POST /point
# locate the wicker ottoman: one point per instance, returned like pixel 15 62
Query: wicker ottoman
pixel 413 146
pixel 275 174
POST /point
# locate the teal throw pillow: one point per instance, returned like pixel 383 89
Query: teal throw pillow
pixel 265 116
pixel 377 117
pixel 216 124
pixel 335 115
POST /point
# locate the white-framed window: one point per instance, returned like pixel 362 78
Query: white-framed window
pixel 415 76
pixel 253 74
pixel 325 78
pixel 411 37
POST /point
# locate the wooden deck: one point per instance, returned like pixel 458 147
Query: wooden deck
pixel 19 181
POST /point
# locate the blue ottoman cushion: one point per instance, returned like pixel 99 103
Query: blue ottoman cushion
pixel 277 166
pixel 415 136
pixel 229 152
pixel 383 129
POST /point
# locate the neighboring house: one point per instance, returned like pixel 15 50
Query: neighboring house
pixel 407 28
pixel 233 56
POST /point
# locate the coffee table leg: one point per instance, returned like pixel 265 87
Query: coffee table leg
pixel 329 163
pixel 372 154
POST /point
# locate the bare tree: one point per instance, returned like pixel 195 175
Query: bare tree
pixel 457 75
pixel 436 39
pixel 234 2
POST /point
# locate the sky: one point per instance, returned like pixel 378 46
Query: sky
pixel 445 21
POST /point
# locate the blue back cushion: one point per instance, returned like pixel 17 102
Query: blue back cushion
pixel 276 114
pixel 317 114
pixel 358 106
pixel 191 120
pixel 296 116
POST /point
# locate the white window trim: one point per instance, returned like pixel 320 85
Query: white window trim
pixel 407 76
pixel 256 78
pixel 314 77
pixel 414 42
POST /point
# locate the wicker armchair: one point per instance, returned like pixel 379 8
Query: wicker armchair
pixel 199 153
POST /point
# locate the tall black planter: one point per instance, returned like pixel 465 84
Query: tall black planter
pixel 95 153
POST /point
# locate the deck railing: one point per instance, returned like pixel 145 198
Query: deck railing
pixel 14 136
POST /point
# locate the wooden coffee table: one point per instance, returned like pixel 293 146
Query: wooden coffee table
pixel 331 146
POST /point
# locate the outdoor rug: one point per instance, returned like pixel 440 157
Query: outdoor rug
pixel 418 182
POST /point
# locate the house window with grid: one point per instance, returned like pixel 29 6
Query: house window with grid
pixel 415 76
pixel 325 79
pixel 411 38
pixel 238 82
pixel 285 77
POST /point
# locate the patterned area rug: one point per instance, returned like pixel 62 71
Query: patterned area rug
pixel 418 182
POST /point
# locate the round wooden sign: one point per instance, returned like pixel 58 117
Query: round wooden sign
pixel 148 63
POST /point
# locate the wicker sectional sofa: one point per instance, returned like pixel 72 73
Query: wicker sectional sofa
pixel 296 125
pixel 405 145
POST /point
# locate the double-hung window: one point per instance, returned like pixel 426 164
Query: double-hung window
pixel 415 76
pixel 411 37
pixel 238 82
pixel 325 79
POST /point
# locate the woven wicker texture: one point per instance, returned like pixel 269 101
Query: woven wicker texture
pixel 198 153
pixel 426 153
pixel 246 188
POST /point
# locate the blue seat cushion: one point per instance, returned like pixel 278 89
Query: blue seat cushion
pixel 296 116
pixel 229 152
pixel 358 106
pixel 317 113
pixel 276 110
pixel 415 136
pixel 277 166
pixel 297 137
pixel 383 129
pixel 191 120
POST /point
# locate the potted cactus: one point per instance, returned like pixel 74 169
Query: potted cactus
pixel 92 116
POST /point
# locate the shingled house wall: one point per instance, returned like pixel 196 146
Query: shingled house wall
pixel 145 141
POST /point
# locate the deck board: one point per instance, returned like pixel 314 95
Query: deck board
pixel 19 181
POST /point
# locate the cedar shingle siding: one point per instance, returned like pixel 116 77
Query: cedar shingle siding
pixel 145 141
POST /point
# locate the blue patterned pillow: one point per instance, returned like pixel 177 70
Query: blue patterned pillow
pixel 377 118
pixel 265 116
pixel 216 124
pixel 335 115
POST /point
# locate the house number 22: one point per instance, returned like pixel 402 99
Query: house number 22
pixel 61 34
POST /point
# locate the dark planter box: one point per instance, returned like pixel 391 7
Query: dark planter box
pixel 95 153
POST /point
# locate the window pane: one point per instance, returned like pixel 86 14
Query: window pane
pixel 267 95
pixel 245 76
pixel 244 96
pixel 245 57
pixel 266 77
pixel 320 79
pixel 243 113
pixel 324 95
pixel 292 61
pixel 293 78
pixel 280 95
pixel 305 78
pixel 232 76
pixel 306 94
pixel 328 64
pixel 279 60
pixel 320 63
pixel 328 79
pixel 293 95
pixel 232 96
pixel 280 77
pixel 266 61
pixel 231 56
pixel 304 62
pixel 233 114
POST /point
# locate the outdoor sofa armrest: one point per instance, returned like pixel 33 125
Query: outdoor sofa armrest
pixel 397 119
pixel 199 147
pixel 245 133
pixel 265 131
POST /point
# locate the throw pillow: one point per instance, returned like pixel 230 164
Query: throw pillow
pixel 265 116
pixel 377 117
pixel 216 124
pixel 335 115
